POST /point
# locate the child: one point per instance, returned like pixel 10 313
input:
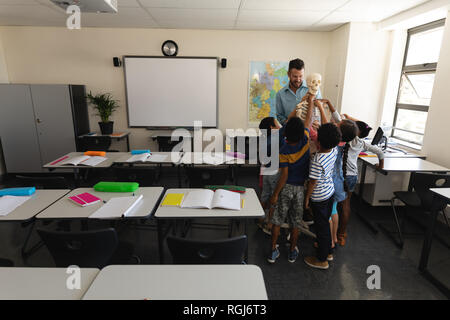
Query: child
pixel 288 194
pixel 269 179
pixel 350 171
pixel 319 194
pixel 349 130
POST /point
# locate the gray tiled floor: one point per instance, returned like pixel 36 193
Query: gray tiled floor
pixel 346 278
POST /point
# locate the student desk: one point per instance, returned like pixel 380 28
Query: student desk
pixel 171 158
pixel 398 164
pixel 42 283
pixel 39 201
pixel 111 157
pixel 219 159
pixel 252 209
pixel 66 209
pixel 124 156
pixel 443 193
pixel 178 282
pixel 118 136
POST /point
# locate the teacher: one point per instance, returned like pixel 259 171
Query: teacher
pixel 292 94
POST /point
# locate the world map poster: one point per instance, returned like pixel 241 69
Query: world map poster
pixel 265 80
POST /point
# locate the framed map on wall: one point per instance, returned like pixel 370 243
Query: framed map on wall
pixel 266 78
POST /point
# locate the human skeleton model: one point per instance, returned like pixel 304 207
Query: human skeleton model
pixel 313 81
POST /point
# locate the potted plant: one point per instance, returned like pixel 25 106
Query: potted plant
pixel 105 106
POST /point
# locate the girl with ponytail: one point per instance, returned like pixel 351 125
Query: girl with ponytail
pixel 350 171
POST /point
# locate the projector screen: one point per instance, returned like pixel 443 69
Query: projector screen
pixel 171 92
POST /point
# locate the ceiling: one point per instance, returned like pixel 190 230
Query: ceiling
pixel 295 15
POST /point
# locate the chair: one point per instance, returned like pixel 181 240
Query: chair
pixel 88 249
pixel 188 251
pixel 42 182
pixel 95 143
pixel 420 198
pixel 198 177
pixel 145 176
pixel 6 263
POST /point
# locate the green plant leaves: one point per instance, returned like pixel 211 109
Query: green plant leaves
pixel 104 104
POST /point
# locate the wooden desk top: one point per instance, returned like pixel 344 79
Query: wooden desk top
pixel 179 282
pixel 39 201
pixel 42 283
pixel 66 209
pixel 252 208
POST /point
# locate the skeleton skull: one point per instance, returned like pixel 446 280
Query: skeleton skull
pixel 314 81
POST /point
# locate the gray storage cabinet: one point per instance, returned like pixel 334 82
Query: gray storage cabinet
pixel 39 123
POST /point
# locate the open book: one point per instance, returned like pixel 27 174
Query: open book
pixel 83 161
pixel 209 199
pixel 147 157
pixel 117 207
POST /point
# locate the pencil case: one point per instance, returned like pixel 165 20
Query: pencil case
pixel 226 187
pixel 25 191
pixel 95 153
pixel 106 186
pixel 140 151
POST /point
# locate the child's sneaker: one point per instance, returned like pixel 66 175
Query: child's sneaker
pixel 274 255
pixel 266 230
pixel 314 263
pixel 293 255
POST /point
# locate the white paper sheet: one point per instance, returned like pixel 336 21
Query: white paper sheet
pixel 117 207
pixel 10 203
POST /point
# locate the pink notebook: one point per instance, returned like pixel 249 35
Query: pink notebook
pixel 84 199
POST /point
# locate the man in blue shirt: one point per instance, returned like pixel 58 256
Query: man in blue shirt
pixel 292 94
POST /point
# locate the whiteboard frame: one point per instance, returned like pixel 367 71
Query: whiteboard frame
pixel 168 57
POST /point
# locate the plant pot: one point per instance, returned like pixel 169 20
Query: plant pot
pixel 106 127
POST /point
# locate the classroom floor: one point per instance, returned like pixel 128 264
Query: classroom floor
pixel 345 279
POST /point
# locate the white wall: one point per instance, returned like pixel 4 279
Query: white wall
pixel 3 79
pixel 365 72
pixel 336 63
pixel 58 55
pixel 437 132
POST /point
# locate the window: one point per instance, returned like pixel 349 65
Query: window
pixel 416 83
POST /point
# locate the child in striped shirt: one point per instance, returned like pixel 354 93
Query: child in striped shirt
pixel 319 194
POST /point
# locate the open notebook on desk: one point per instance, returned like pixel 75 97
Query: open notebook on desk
pixel 83 161
pixel 209 199
pixel 147 157
pixel 117 207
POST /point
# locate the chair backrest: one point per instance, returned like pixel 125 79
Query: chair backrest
pixel 199 177
pixel 6 263
pixel 88 249
pixel 226 251
pixel 95 143
pixel 422 182
pixel 42 182
pixel 143 175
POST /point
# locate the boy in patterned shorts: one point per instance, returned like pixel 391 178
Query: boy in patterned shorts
pixel 288 194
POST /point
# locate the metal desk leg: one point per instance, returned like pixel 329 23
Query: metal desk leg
pixel 179 175
pixel 159 224
pixel 26 253
pixel 426 248
pixel 360 205
pixel 128 143
pixel 246 248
